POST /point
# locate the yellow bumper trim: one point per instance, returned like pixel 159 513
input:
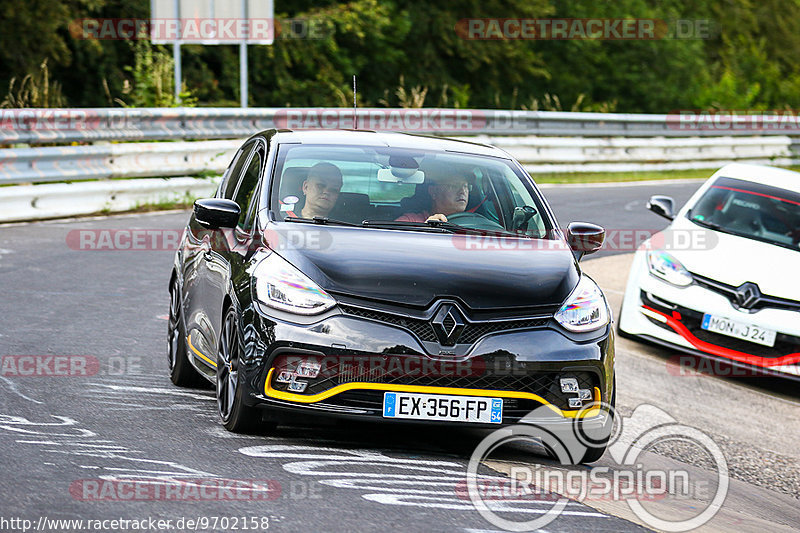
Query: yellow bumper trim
pixel 333 391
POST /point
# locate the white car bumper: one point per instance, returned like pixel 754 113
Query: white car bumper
pixel 672 316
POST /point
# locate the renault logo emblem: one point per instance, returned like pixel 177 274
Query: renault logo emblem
pixel 448 323
pixel 747 295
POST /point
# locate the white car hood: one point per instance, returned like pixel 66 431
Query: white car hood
pixel 735 260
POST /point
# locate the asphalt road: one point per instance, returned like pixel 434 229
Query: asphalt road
pixel 75 445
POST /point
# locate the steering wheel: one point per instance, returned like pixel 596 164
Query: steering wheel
pixel 474 221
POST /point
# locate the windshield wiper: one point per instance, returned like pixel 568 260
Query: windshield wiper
pixel 320 220
pixel 402 224
pixel 710 225
pixel 437 225
pixel 455 228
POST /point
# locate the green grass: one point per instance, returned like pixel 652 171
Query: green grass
pixel 612 177
pixel 184 202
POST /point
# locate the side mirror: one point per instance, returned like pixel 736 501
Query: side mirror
pixel 662 206
pixel 216 213
pixel 584 238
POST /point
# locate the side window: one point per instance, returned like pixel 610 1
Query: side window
pixel 232 177
pixel 248 186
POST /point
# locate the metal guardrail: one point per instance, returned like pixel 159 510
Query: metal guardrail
pixel 542 141
pixel 64 126
pixel 127 160
pixel 623 154
pixel 537 154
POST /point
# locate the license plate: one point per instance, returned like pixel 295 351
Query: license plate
pixel 440 407
pixel 739 330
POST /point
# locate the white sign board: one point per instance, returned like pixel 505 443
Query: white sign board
pixel 212 22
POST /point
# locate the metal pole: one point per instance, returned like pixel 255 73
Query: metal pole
pixel 243 58
pixel 176 53
pixel 243 73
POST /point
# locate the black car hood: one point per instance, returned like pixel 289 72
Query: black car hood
pixel 414 268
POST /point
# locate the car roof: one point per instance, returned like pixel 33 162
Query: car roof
pixel 381 138
pixel 763 174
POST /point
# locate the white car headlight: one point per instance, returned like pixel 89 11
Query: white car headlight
pixel 585 309
pixel 281 286
pixel 663 265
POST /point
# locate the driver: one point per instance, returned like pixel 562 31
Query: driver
pixel 449 195
pixel 321 189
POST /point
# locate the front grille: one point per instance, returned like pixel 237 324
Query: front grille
pixel 475 331
pixel 784 344
pixel 475 374
pixel 423 330
pixel 729 292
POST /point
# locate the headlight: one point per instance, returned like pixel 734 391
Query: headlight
pixel 585 309
pixel 281 286
pixel 663 265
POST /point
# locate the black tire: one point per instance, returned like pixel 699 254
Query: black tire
pixel 594 453
pixel 181 371
pixel 233 413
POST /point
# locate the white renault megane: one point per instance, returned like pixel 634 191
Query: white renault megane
pixel 723 279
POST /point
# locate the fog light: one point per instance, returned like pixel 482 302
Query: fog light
pixel 569 385
pixel 297 386
pixel 308 369
pixel 284 377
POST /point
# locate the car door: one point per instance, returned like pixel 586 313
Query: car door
pixel 230 245
pixel 197 278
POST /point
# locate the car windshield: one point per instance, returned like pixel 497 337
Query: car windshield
pixel 354 184
pixel 751 210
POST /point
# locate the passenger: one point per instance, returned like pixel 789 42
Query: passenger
pixel 321 190
pixel 449 195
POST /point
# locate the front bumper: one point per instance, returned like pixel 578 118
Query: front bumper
pixel 362 358
pixel 671 316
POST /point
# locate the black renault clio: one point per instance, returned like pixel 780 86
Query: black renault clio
pixel 390 277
